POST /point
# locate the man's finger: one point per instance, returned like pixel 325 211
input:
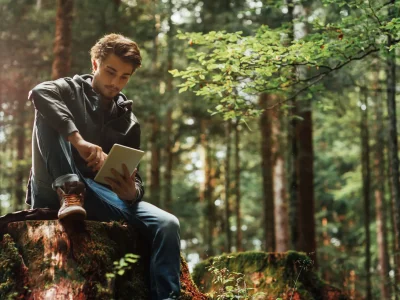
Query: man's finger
pixel 126 172
pixel 134 174
pixel 93 154
pixel 118 177
pixel 114 185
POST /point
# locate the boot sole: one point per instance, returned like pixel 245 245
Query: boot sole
pixel 73 215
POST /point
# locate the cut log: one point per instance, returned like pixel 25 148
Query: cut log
pixel 54 260
pixel 267 276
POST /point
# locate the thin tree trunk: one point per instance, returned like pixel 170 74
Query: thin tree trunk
pixel 366 193
pixel 305 180
pixel 267 173
pixel 380 203
pixel 168 127
pixel 211 220
pixel 393 147
pixel 155 185
pixel 21 145
pixel 281 217
pixel 62 42
pixel 155 161
pixel 292 157
pixel 239 246
pixel 228 127
pixel 206 192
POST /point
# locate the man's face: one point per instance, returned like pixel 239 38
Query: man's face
pixel 110 76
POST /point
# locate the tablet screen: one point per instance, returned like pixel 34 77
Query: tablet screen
pixel 119 155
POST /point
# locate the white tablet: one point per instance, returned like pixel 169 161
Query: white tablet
pixel 119 155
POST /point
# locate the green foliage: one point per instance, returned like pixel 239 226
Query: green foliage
pixel 232 284
pixel 229 68
pixel 124 264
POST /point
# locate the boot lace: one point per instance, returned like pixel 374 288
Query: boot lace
pixel 72 199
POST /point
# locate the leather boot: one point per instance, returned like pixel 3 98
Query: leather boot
pixel 71 195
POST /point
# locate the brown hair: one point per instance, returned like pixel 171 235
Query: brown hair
pixel 121 46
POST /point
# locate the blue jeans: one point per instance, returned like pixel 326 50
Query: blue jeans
pixel 53 165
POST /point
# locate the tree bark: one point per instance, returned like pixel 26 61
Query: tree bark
pixel 366 175
pixel 281 217
pixel 305 181
pixel 380 203
pixel 393 147
pixel 155 185
pixel 155 161
pixel 239 246
pixel 20 135
pixel 228 127
pixel 62 42
pixel 267 173
pixel 168 125
pixel 292 155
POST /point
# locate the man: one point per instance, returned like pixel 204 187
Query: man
pixel 77 121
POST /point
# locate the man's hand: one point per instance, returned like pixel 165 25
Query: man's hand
pixel 91 153
pixel 123 184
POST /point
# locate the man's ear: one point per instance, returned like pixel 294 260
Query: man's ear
pixel 95 65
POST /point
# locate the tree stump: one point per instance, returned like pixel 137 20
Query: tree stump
pixel 54 260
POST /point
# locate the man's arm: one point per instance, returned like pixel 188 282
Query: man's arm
pixel 47 99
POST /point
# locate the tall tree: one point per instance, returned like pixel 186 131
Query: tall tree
pixel 168 119
pixel 393 144
pixel 228 128
pixel 267 172
pixel 281 217
pixel 304 160
pixel 239 243
pixel 379 194
pixel 62 41
pixel 155 180
pixel 366 176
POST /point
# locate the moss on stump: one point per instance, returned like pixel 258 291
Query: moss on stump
pixel 53 260
pixel 270 275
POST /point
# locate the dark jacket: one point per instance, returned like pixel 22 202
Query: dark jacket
pixel 70 104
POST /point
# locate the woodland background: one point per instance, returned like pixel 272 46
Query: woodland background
pixel 283 136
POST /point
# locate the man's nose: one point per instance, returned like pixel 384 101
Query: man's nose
pixel 114 81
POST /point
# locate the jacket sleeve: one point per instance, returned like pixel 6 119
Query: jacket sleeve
pixel 47 99
pixel 134 142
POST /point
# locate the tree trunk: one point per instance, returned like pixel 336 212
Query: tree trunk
pixel 380 203
pixel 21 145
pixel 267 173
pixel 393 147
pixel 155 161
pixel 366 192
pixel 228 127
pixel 209 192
pixel 168 125
pixel 305 180
pixel 292 155
pixel 54 260
pixel 155 185
pixel 281 217
pixel 237 190
pixel 62 42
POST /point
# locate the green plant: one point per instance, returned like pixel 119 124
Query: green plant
pixel 124 264
pixel 232 285
pixel 304 265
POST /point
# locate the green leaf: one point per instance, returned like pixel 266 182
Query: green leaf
pixel 183 89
